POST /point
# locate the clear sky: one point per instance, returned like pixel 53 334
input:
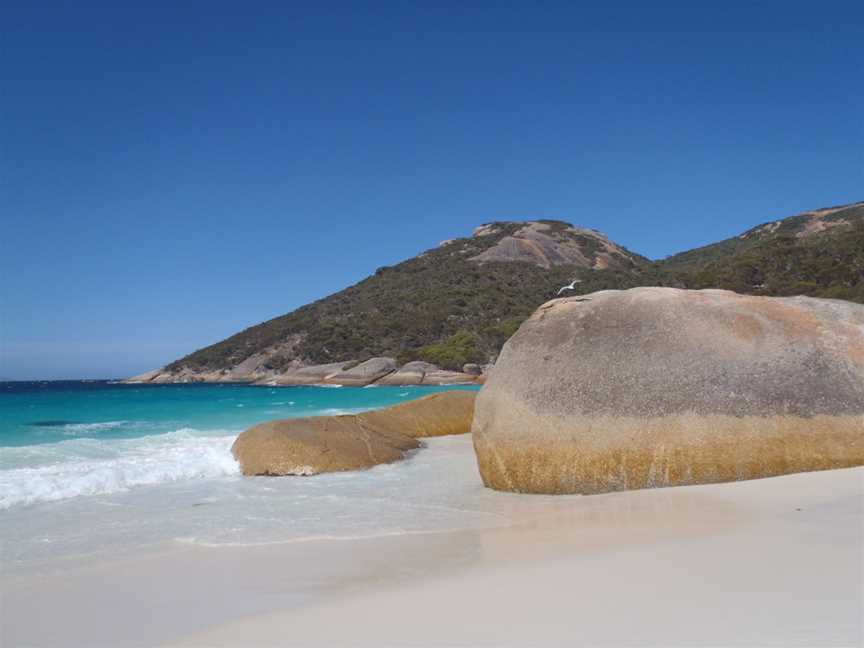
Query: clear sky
pixel 175 172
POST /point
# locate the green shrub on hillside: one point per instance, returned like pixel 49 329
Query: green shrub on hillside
pixel 455 351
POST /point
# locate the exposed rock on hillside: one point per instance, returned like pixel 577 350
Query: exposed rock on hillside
pixel 548 244
pixel 308 446
pixel 440 307
pixel 661 387
pixel 809 223
pixel 799 228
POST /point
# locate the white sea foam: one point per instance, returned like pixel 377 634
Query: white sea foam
pixel 438 489
pixel 67 469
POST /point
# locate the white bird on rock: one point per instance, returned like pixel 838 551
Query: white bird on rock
pixel 572 286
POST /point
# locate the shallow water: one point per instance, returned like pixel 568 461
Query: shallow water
pixel 88 468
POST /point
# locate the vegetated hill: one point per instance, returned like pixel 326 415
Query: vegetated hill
pixel 818 253
pixel 801 226
pixel 454 304
pixel 459 302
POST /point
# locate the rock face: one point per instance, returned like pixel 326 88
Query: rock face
pixel 307 446
pixel 660 387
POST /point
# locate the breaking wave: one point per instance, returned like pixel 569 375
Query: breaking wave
pixel 84 466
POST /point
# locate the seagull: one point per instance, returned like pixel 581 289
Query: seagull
pixel 572 286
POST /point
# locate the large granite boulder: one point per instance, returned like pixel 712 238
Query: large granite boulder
pixel 307 446
pixel 659 387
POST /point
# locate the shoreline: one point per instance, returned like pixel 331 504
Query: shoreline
pixel 699 565
pixel 770 562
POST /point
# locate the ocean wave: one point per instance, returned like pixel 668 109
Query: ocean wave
pixel 97 467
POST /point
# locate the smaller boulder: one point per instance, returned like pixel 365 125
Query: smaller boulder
pixel 312 445
pixel 311 375
pixel 364 373
pixel 445 377
pixel 419 372
pixel 308 446
pixel 411 373
pixel 472 369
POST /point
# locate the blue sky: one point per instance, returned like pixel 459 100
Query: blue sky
pixel 173 174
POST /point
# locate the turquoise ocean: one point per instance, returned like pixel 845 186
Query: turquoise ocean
pixel 93 466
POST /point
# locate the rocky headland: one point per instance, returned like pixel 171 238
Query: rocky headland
pixel 653 387
pixel 375 371
pixel 423 320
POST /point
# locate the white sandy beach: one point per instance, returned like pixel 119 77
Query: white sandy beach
pixel 772 562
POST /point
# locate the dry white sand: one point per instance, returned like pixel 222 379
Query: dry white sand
pixel 772 562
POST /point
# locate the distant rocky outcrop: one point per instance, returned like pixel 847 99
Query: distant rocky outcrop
pixel 661 387
pixel 312 445
pixel 375 371
pixel 311 375
pixel 187 375
pixel 364 373
pixel 550 243
pixel 411 373
pixel 426 373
